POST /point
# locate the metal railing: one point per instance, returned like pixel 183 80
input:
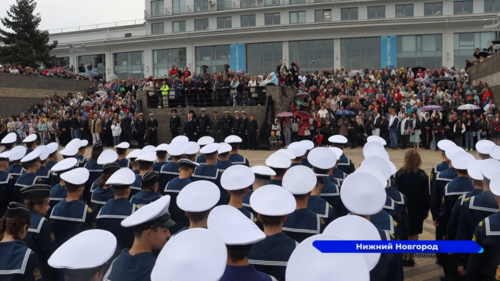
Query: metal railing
pixel 96 26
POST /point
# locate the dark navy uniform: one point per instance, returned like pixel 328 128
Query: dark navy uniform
pixel 95 184
pixel 222 165
pixel 144 197
pixel 136 186
pixel 128 267
pixel 227 125
pixel 331 193
pixel 384 221
pixel 339 175
pixel 322 208
pixel 70 218
pixel 50 164
pixel 246 202
pixel 16 171
pixel 248 214
pixel 7 194
pixel 271 255
pixel 443 166
pixel 157 167
pixel 57 194
pixel 302 224
pixel 21 263
pixel 101 196
pixel 168 172
pixel 81 161
pixel 238 159
pixel 212 174
pixel 401 202
pixel 95 171
pixel 389 266
pixel 276 182
pixel 485 265
pixel 173 188
pixel 295 164
pixel 451 229
pixel 442 179
pixel 110 217
pixel 124 163
pixel 201 159
pixel 25 180
pixel 345 165
pixel 244 273
pixel 44 174
pixel 306 163
pixel 235 130
pixel 393 210
pixel 41 239
pixel 453 190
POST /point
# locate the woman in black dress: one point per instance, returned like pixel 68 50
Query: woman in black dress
pixel 414 184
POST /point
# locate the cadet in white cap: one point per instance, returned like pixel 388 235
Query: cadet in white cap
pixel 43 172
pixel 272 203
pixel 239 234
pixel 192 148
pixel 132 156
pixel 319 205
pixel 102 193
pixel 308 145
pixel 303 222
pixel 9 141
pixel 71 216
pixel 119 208
pixel 149 192
pixel 52 159
pixel 279 162
pixel 495 152
pixel 58 190
pixel 145 161
pixel 6 183
pixel 345 164
pixel 32 162
pixel 196 254
pixel 237 180
pixel 30 142
pixel 197 200
pixel 150 225
pixel 93 167
pixel 262 176
pixel 161 157
pixel 16 169
pixel 71 150
pixel 202 142
pixel 18 262
pixel 171 169
pixel 84 257
pixel 484 147
pixel 298 150
pixel 121 150
pixel 81 153
pixel 106 157
pixel 234 157
pixel 186 169
pixel 209 171
pixel 378 139
pixel 223 157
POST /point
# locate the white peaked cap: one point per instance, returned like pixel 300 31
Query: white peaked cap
pixel 338 139
pixel 85 143
pixel 149 148
pixel 474 170
pixel 147 157
pixel 198 196
pixel 273 200
pixel 462 160
pixel 372 145
pixel 354 227
pixel 233 139
pixel 65 164
pixel 69 150
pixel 134 153
pixel 86 250
pixel 233 226
pixel 123 145
pixel 44 152
pixel 162 147
pixel 376 151
pixel 363 194
pixel 495 152
pixel 299 180
pixel 210 148
pixel 322 158
pixel 177 148
pixel 297 148
pixel 338 152
pixel 452 150
pixel 31 156
pixel 193 254
pixel 76 176
pixel 331 266
pixel 308 144
pixel 484 146
pixel 107 156
pixel 380 163
pixel 181 139
pixel 224 148
pixel 373 170
pixel 124 176
pixel 263 170
pixel 30 138
pixel 445 144
pixel 376 139
pixel 149 212
pixel 489 168
pixel 279 160
pixel 290 154
pixel 237 177
pixel 206 140
pixel 75 142
pixel 495 184
pixel 53 147
pixel 18 152
pixel 5 155
pixel 192 148
pixel 9 138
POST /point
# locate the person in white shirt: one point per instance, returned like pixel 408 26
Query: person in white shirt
pixel 302 78
pixel 116 131
pixel 322 112
pixel 404 130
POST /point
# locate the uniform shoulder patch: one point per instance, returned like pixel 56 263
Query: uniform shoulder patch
pixel 254 219
pixel 322 221
pixel 481 223
pixel 39 179
pixel 467 199
pixel 11 177
pixel 392 235
pixel 331 207
pixel 37 274
pixel 89 210
pixel 474 238
pixel 52 237
pixel 395 223
pixel 460 197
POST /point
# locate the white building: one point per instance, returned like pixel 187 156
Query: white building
pixel 253 35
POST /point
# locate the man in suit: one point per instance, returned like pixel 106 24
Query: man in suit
pixel 84 127
pixel 175 124
pixel 140 126
pixel 95 129
pixel 393 129
pixel 227 124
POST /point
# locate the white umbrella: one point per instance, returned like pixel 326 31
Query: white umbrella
pixel 113 77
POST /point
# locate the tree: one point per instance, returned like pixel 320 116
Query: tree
pixel 26 45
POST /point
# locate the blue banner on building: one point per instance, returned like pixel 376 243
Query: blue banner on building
pixel 388 51
pixel 237 57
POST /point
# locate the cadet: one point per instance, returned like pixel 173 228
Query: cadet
pixel 484 265
pixel 151 226
pixel 234 157
pixel 32 162
pixel 179 139
pixel 223 154
pixel 203 124
pixel 484 147
pixel 171 169
pixel 495 152
pixel 192 148
pixel 235 129
pixel 303 222
pixel 206 261
pixel 279 162
pixel 106 157
pixel 209 171
pixel 121 150
pixel 308 145
pixel 40 237
pixel 239 234
pixel 345 164
pixel 132 155
pixel 30 142
pixel 81 153
pixel 18 262
pixel 16 169
pixel 6 183
pixel 227 124
pixel 116 210
pixel 145 161
pixel 9 141
pixel 58 190
pixel 442 145
pixel 262 176
pixel 52 159
pixel 71 216
pixel 236 180
pixel 243 129
pixel 95 247
pixel 272 203
pixel 216 128
pixel 298 150
pixel 477 208
pixel 202 142
pixel 197 200
pixel 93 167
pixel 161 155
pixel 43 173
pixel 186 169
pixel 102 193
pixel 149 193
pixel 175 123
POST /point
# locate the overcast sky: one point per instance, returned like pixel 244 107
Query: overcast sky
pixel 70 13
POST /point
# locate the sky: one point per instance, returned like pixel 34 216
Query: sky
pixel 71 13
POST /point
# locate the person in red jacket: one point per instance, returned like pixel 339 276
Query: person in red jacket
pixel 173 70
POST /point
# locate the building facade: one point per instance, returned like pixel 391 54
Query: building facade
pixel 254 35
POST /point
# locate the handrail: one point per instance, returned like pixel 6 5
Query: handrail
pixel 96 26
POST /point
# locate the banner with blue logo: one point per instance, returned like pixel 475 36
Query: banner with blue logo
pixel 237 57
pixel 388 51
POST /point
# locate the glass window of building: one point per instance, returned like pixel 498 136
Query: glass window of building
pixel 157 9
pixel 420 50
pixel 163 60
pixel 215 57
pixel 466 43
pixel 404 11
pixel 360 53
pixel 158 28
pixel 462 7
pixel 247 20
pixel 376 12
pixel 322 15
pixel 349 14
pixel 263 57
pixel 273 18
pixel 200 6
pixel 433 9
pixel 272 2
pixel 247 3
pixel 178 7
pixel 298 17
pixel 312 55
pixel 224 5
pixel 201 24
pixel 293 2
pixel 491 6
pixel 98 62
pixel 179 26
pixel 224 22
pixel 62 62
pixel 129 65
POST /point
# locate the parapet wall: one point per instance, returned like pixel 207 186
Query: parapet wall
pixel 489 72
